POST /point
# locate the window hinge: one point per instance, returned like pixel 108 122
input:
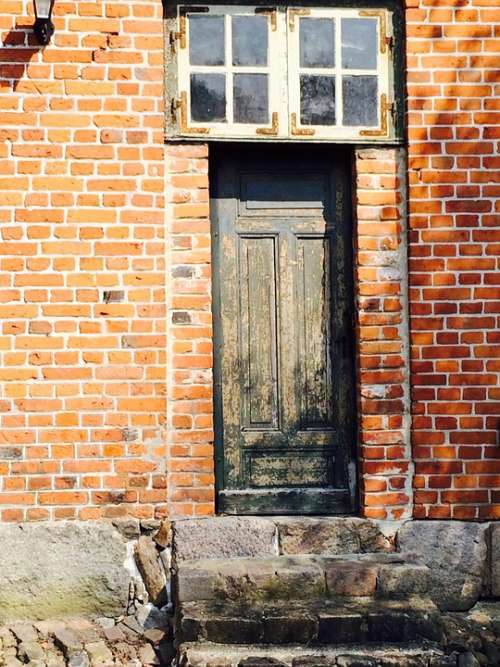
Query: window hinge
pixel 273 130
pixel 386 108
pixel 271 12
pixel 389 40
pixel 174 105
pixel 173 38
pixel 182 105
pixel 299 131
pixel 381 15
pixel 292 13
pixel 183 11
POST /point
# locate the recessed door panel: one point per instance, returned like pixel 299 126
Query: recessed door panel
pixel 315 331
pixel 258 331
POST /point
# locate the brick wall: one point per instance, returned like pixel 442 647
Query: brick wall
pixel 385 470
pixel 82 345
pixel 105 376
pixel 385 466
pixel 452 60
pixel 190 407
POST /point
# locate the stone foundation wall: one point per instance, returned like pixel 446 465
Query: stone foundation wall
pixel 69 569
pixel 62 569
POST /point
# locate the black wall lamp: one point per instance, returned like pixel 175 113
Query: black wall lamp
pixel 43 27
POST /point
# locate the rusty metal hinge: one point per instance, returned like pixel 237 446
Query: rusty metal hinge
pixel 386 108
pixel 271 12
pixel 173 38
pixel 292 13
pixel 381 15
pixel 182 105
pixel 183 11
pixel 299 131
pixel 270 131
pixel 174 105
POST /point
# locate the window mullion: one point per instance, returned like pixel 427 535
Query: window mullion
pixel 285 80
pixel 229 70
pixel 339 101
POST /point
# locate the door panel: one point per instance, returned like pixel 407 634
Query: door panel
pixel 258 331
pixel 313 307
pixel 282 299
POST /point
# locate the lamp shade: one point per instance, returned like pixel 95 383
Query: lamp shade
pixel 43 8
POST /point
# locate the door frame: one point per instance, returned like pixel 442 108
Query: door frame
pixel 387 482
pixel 219 152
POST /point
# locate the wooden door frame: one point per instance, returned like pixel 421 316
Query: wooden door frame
pixel 218 153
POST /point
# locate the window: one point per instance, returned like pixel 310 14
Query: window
pixel 282 72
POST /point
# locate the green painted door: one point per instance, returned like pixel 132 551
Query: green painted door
pixel 285 406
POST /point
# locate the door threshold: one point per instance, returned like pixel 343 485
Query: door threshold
pixel 285 501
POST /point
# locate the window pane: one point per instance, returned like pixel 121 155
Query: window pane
pixel 250 40
pixel 317 100
pixel 359 43
pixel 317 39
pixel 360 100
pixel 208 97
pixel 206 40
pixel 251 97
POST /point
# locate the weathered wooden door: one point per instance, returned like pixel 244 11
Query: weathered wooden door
pixel 285 408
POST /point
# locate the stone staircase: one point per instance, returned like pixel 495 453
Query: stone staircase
pixel 299 592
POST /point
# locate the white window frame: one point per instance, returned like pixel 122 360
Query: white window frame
pixel 284 72
pixel 276 71
pixel 383 72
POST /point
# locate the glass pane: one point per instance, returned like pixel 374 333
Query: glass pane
pixel 317 100
pixel 317 39
pixel 208 97
pixel 251 98
pixel 360 100
pixel 359 43
pixel 206 40
pixel 250 40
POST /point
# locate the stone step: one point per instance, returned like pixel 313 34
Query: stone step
pixel 381 655
pixel 248 536
pixel 378 575
pixel 309 622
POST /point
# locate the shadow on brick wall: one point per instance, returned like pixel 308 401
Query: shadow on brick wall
pixel 19 49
